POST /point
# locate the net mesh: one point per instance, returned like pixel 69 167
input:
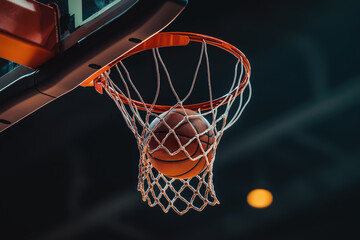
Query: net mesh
pixel 181 195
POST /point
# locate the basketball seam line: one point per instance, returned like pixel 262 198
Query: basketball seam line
pixel 202 169
pixel 185 136
pixel 180 160
pixel 207 145
pixel 197 148
pixel 192 123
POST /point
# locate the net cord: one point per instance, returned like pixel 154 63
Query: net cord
pixel 148 180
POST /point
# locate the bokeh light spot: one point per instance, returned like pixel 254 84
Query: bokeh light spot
pixel 259 198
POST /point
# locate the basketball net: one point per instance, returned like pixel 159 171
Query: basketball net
pixel 181 195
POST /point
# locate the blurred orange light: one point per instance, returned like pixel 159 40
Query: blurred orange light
pixel 259 198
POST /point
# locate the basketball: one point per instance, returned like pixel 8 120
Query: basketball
pixel 174 140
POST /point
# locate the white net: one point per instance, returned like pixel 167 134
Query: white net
pixel 178 193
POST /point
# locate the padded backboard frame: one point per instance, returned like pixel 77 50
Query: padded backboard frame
pixel 24 91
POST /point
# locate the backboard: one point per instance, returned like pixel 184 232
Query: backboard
pixel 92 33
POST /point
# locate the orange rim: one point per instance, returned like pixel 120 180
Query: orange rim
pixel 170 39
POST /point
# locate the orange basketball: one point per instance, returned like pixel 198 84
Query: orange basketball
pixel 173 132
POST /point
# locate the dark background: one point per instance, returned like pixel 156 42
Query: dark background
pixel 69 170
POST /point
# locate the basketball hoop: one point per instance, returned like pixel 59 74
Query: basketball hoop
pixel 156 188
